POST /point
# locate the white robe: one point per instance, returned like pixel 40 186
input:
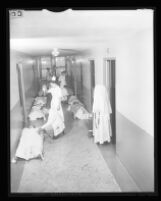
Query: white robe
pixel 101 120
pixel 56 100
pixel 56 116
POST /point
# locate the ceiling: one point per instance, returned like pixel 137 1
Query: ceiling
pixel 74 32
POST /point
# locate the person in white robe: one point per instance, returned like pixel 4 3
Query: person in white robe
pixel 101 115
pixel 56 116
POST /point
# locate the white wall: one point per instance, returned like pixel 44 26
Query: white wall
pixel 134 75
pixel 134 79
pixel 15 57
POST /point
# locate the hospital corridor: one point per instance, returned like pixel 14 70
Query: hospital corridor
pixel 81 101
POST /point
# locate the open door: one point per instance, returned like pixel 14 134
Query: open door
pixel 109 81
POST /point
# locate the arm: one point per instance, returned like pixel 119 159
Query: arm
pixel 50 120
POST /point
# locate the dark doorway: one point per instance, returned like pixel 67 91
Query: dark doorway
pixel 19 84
pixel 92 86
pixel 80 82
pixel 92 74
pixel 109 81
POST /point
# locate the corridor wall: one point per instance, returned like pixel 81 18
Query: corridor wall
pixel 16 112
pixel 86 84
pixel 15 57
pixel 135 107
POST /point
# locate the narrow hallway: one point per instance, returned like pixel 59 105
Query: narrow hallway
pixel 100 75
pixel 73 163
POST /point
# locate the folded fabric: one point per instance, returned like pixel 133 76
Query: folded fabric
pixel 45 110
pixel 40 100
pixel 36 107
pixel 82 113
pixel 75 108
pixel 36 114
pixel 74 100
pixel 30 145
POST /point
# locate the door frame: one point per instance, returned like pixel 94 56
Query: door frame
pixel 91 83
pixel 22 91
pixel 113 116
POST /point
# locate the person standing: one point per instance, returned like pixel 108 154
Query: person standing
pixel 56 116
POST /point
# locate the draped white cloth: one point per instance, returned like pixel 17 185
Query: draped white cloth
pixel 36 111
pixel 101 118
pixel 36 114
pixel 30 145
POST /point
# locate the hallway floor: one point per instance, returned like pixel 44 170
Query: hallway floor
pixel 73 163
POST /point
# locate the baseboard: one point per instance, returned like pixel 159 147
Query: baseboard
pixel 135 149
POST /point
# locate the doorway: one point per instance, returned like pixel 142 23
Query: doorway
pixel 79 82
pixel 92 79
pixel 109 81
pixel 22 92
pixel 92 86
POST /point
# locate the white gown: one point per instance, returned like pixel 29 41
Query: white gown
pixel 56 116
pixel 56 100
pixel 101 120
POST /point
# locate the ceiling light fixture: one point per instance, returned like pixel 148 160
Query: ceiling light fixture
pixel 55 52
